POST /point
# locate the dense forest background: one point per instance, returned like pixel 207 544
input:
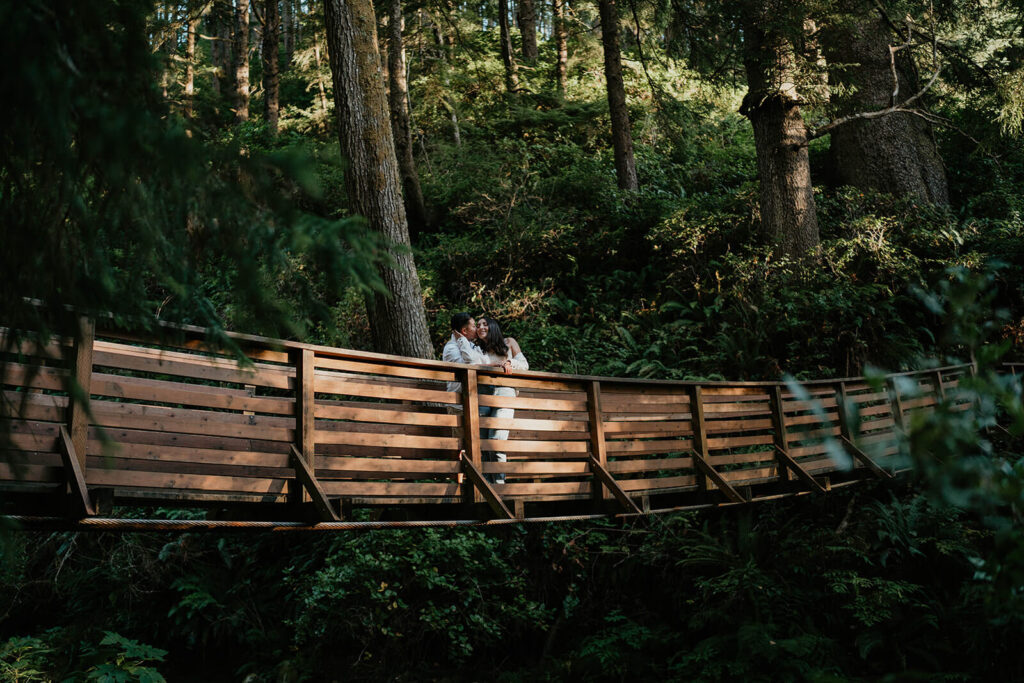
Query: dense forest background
pixel 738 189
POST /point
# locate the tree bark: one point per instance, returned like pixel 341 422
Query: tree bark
pixel 398 96
pixel 288 31
pixel 561 46
pixel 221 20
pixel 526 16
pixel 190 65
pixel 241 60
pixel 397 322
pixel 894 153
pixel 507 55
pixel 772 104
pixel 622 135
pixel 271 65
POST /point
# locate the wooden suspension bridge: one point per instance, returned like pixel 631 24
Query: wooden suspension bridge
pixel 304 436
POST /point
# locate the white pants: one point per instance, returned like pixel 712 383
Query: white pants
pixel 502 434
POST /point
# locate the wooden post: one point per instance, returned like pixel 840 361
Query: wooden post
pixel 700 434
pixel 779 435
pixel 598 447
pixel 940 391
pixel 471 431
pixel 305 419
pixel 896 403
pixel 79 389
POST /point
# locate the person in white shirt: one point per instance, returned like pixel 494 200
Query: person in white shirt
pixel 461 349
pixel 505 350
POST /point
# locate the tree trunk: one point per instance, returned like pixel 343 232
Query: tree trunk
pixel 622 135
pixel 507 55
pixel 288 31
pixel 397 322
pixel 895 153
pixel 561 46
pixel 271 65
pixel 772 104
pixel 221 50
pixel 398 96
pixel 190 64
pixel 321 88
pixel 526 15
pixel 242 60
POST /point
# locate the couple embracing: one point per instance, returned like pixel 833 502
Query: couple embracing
pixel 481 342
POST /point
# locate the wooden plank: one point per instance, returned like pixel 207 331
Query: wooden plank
pixel 377 413
pixel 481 484
pixel 865 460
pixel 184 421
pixel 722 443
pixel 103 476
pixel 172 454
pixel 800 472
pixel 326 384
pixel 160 362
pixel 520 383
pixel 184 393
pixel 522 468
pixel 606 479
pixel 522 446
pixel 380 368
pixel 658 484
pixel 304 473
pixel 74 475
pixel 708 471
pixel 649 447
pixel 388 440
pixel 576 427
pixel 598 446
pixel 79 383
pixel 385 468
pixel 470 430
pixel 401 491
pixel 700 434
pixel 305 427
pixel 517 402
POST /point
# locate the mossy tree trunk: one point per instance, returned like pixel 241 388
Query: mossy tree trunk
pixel 772 104
pixel 561 34
pixel 397 322
pixel 894 153
pixel 622 133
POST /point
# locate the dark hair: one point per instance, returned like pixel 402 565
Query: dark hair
pixel 495 341
pixel 460 320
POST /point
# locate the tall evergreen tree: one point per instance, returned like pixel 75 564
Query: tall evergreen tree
pixel 271 64
pixel 772 104
pixel 241 57
pixel 398 322
pixel 894 153
pixel 622 132
pixel 398 98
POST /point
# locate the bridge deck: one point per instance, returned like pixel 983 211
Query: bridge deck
pixel 307 433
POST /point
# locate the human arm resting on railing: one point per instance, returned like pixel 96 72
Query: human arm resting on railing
pixel 517 358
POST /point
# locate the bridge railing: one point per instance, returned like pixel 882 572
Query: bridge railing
pixel 175 425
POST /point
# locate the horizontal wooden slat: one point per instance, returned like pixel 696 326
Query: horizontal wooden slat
pixel 657 483
pixel 382 369
pixel 652 465
pixel 385 467
pixel 535 446
pixel 375 413
pixel 344 387
pixel 387 440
